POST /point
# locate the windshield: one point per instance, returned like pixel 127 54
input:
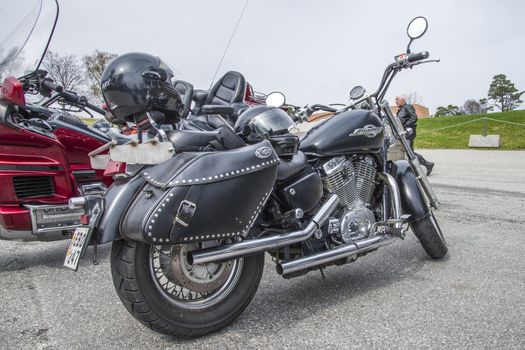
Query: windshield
pixel 26 29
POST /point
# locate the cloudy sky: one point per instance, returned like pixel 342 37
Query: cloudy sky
pixel 313 51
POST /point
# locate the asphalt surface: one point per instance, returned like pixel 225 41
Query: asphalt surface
pixel 395 298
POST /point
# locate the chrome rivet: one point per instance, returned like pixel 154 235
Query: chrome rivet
pixel 152 221
pixel 154 239
pixel 171 194
pixel 189 180
pixel 220 175
pixel 156 215
pixel 242 170
pixel 149 234
pixel 177 181
pixel 167 239
pixel 163 204
pixel 160 240
pixel 183 181
pixel 151 228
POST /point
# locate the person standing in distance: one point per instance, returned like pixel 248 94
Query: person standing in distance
pixel 407 115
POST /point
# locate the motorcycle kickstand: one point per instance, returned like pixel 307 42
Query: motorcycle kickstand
pixel 322 273
pixel 95 255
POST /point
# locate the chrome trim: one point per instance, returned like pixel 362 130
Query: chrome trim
pixel 257 245
pixel 53 223
pixel 331 255
pixel 92 188
pixel 395 197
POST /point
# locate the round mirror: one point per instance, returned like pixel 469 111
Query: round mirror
pixel 417 27
pixel 357 92
pixel 275 99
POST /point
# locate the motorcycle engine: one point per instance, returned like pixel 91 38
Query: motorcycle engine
pixel 353 180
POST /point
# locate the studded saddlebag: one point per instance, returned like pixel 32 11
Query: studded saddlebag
pixel 202 196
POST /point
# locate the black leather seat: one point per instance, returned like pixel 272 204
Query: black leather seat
pixel 229 89
pixel 290 167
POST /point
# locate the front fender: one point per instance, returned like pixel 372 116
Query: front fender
pixel 412 199
pixel 116 201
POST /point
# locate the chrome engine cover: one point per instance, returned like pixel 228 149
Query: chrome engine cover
pixel 356 224
pixel 354 181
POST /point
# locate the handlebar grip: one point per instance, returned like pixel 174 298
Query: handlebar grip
pixel 414 57
pixel 323 107
pixel 48 84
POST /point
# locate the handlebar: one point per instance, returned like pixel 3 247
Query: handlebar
pixel 414 57
pixel 48 84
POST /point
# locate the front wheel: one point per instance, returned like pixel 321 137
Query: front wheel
pixel 161 290
pixel 430 236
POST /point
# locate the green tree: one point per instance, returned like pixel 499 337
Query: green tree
pixel 441 111
pixel 485 107
pixel 95 65
pixel 447 111
pixel 504 94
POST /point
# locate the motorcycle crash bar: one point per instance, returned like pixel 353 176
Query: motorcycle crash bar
pixel 258 245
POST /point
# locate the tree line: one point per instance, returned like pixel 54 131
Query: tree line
pixel 502 95
pixel 79 75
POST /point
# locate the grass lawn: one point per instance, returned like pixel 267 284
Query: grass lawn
pixel 512 136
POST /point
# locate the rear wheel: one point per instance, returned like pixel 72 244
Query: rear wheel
pixel 430 236
pixel 161 290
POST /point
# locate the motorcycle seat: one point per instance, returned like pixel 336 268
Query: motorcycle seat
pixel 222 138
pixel 290 167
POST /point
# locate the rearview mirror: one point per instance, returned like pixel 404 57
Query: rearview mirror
pixel 417 27
pixel 275 99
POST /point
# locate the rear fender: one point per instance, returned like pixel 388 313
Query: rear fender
pixel 412 199
pixel 116 201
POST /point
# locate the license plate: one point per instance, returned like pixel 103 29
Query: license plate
pixel 77 247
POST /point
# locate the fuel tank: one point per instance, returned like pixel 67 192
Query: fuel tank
pixel 356 131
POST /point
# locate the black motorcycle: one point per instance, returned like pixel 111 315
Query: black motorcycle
pixel 190 228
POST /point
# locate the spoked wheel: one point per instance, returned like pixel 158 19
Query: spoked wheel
pixel 430 236
pixel 161 290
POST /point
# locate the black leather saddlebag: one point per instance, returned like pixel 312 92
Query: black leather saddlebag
pixel 202 196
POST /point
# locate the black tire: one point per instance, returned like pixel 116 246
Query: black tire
pixel 430 236
pixel 143 297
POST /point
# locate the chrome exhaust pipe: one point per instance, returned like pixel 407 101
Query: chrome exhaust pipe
pixel 340 252
pixel 257 245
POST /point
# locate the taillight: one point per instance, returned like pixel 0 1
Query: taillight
pixel 13 91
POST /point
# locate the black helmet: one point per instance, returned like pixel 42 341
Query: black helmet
pixel 262 121
pixel 134 83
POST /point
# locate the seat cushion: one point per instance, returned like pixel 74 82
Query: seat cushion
pixel 227 90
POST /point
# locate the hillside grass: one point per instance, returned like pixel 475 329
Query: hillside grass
pixel 512 137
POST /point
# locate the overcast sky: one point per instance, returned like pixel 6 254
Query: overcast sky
pixel 313 51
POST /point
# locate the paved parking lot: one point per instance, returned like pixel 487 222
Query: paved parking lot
pixel 394 298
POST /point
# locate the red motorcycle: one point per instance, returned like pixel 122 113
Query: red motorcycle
pixel 43 150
